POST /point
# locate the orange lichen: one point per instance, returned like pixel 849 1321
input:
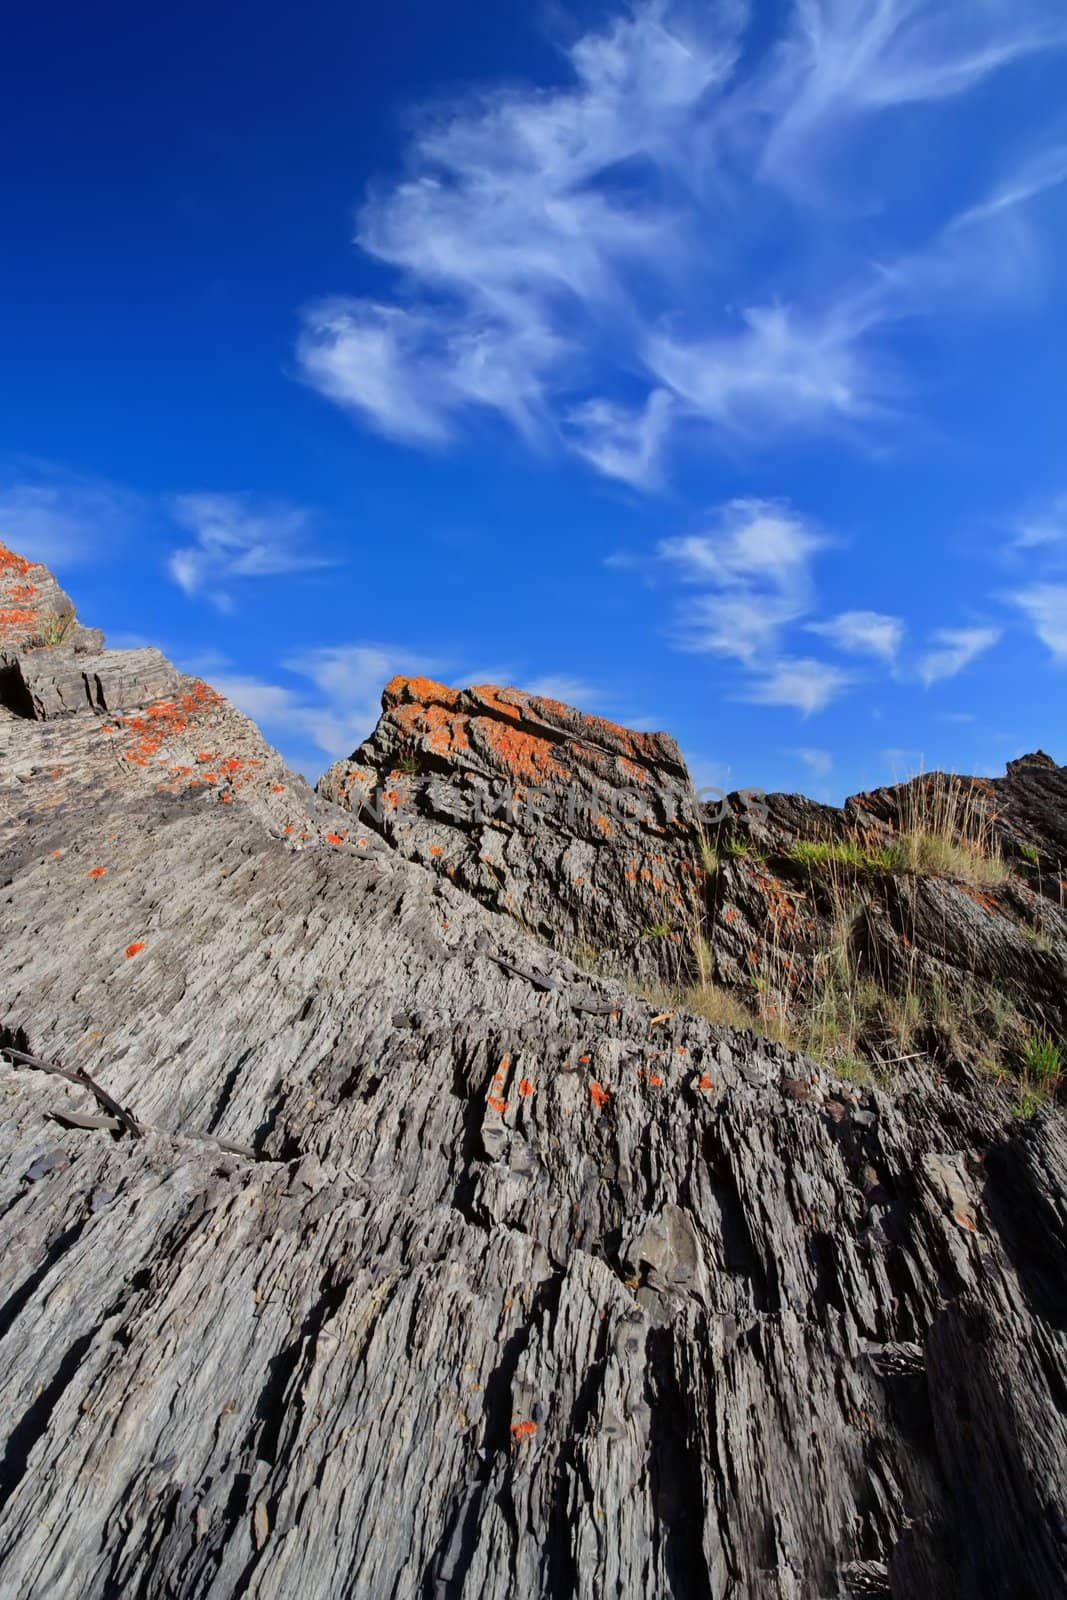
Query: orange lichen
pixel 523 1430
pixel 418 688
pixel 164 719
pixel 604 825
pixel 278 788
pixel 134 949
pixel 96 872
pixel 704 1082
pixel 599 1095
pixel 526 1088
pixel 335 838
pixel 496 1103
pixel 10 562
pixel 436 850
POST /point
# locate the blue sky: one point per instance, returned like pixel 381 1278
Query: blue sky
pixel 701 364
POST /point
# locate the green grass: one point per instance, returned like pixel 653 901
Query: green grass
pixel 1030 852
pixel 710 857
pixel 56 629
pixel 825 854
pixel 658 930
pixel 1043 1065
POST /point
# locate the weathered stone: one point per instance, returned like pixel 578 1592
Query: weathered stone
pixel 49 683
pixel 517 1294
pixel 586 833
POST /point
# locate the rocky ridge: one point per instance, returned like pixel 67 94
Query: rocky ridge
pixel 406 1256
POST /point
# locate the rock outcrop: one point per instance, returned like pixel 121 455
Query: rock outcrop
pixel 973 939
pixel 586 833
pixel 371 1247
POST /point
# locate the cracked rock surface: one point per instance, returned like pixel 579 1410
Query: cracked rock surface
pixel 520 1289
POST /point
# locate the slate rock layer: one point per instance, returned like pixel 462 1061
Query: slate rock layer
pixel 585 832
pixel 518 1290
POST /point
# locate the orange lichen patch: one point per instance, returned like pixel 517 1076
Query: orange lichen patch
pixel 654 1079
pixel 278 788
pixel 290 827
pixel 20 593
pixel 362 844
pixel 598 1094
pixel 56 854
pixel 335 838
pixel 210 777
pixel 134 949
pixel 96 872
pixel 205 755
pixel 523 1430
pixel 233 765
pixel 981 897
pixel 10 562
pixel 526 1088
pixel 427 690
pixel 147 732
pixel 444 728
pixel 491 695
pixel 436 850
pixel 604 825
pixel 731 914
pixel 496 1103
pixel 227 798
pixel 525 755
pixel 16 618
pixel 704 1082
pixel 585 1060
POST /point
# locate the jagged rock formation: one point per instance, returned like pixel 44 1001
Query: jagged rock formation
pixel 983 950
pixel 586 833
pixel 400 1257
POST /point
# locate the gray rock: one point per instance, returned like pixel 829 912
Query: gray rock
pixel 505 1302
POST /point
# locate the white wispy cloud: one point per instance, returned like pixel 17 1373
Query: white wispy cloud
pixel 571 691
pixel 953 649
pixel 869 633
pixel 801 683
pixel 1043 528
pixel 590 262
pixel 754 567
pixel 237 537
pixel 839 62
pixel 821 762
pixel 64 520
pixel 1045 607
pixel 349 680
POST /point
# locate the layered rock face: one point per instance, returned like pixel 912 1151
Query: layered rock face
pixel 975 936
pixel 586 833
pixel 394 1255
